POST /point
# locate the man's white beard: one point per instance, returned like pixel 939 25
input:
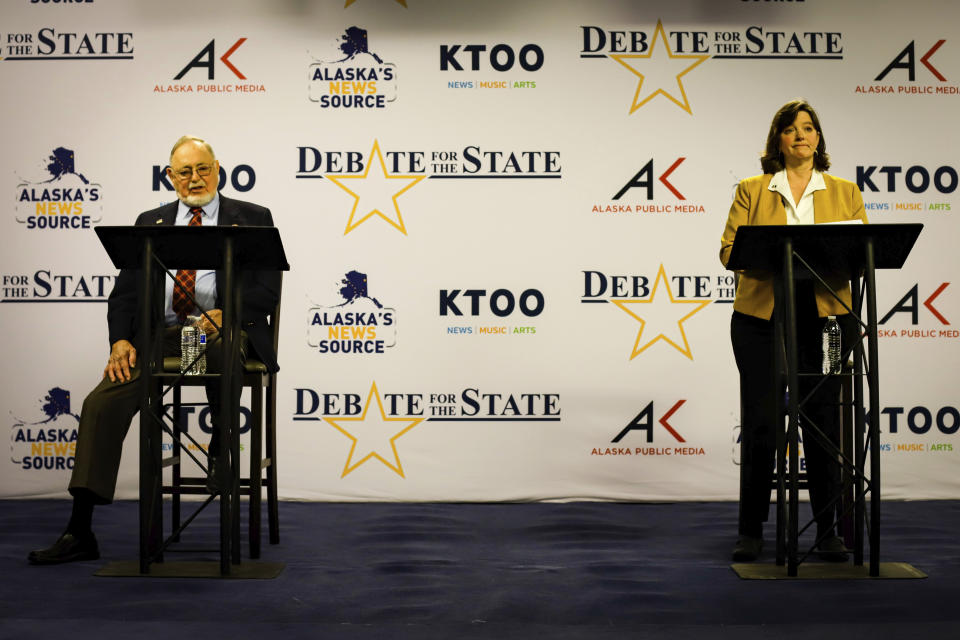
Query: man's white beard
pixel 200 200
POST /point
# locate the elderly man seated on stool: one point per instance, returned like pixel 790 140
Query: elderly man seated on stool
pixel 109 409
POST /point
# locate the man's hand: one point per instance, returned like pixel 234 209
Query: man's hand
pixel 123 358
pixel 217 316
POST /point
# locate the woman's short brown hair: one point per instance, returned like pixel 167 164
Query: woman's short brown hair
pixel 772 159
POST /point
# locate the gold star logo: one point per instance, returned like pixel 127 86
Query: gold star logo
pixel 376 194
pixel 663 67
pixel 372 435
pixel 659 309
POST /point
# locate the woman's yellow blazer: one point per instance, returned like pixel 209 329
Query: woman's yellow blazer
pixel 755 204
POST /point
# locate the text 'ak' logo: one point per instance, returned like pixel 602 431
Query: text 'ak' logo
pixel 919 325
pixel 914 71
pixel 905 60
pixel 206 60
pixel 644 422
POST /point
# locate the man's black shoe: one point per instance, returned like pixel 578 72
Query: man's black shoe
pixel 832 550
pixel 67 548
pixel 747 549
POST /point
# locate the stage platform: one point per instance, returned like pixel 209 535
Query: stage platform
pixel 386 570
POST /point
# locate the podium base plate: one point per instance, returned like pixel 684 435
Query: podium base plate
pixel 244 571
pixel 827 571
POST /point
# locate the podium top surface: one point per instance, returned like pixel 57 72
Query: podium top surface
pixel 837 247
pixel 184 247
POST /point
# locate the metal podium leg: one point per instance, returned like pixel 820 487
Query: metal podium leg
pixel 873 380
pixel 777 422
pixel 793 384
pixel 235 380
pixel 230 401
pixel 145 354
pixel 151 511
pixel 176 472
pixel 227 414
pixel 859 428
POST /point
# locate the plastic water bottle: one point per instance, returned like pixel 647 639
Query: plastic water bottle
pixel 188 346
pixel 201 366
pixel 831 346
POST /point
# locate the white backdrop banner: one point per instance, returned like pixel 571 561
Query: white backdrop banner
pixel 503 222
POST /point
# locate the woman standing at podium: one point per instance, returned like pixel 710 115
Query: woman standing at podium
pixel 794 189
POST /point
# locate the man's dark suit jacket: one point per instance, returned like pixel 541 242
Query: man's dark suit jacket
pixel 260 288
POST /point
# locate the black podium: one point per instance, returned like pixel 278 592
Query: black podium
pixel 153 251
pixel 854 251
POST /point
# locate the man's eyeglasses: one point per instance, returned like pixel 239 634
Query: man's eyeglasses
pixel 184 174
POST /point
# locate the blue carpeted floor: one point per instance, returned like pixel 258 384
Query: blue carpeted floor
pixel 578 570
